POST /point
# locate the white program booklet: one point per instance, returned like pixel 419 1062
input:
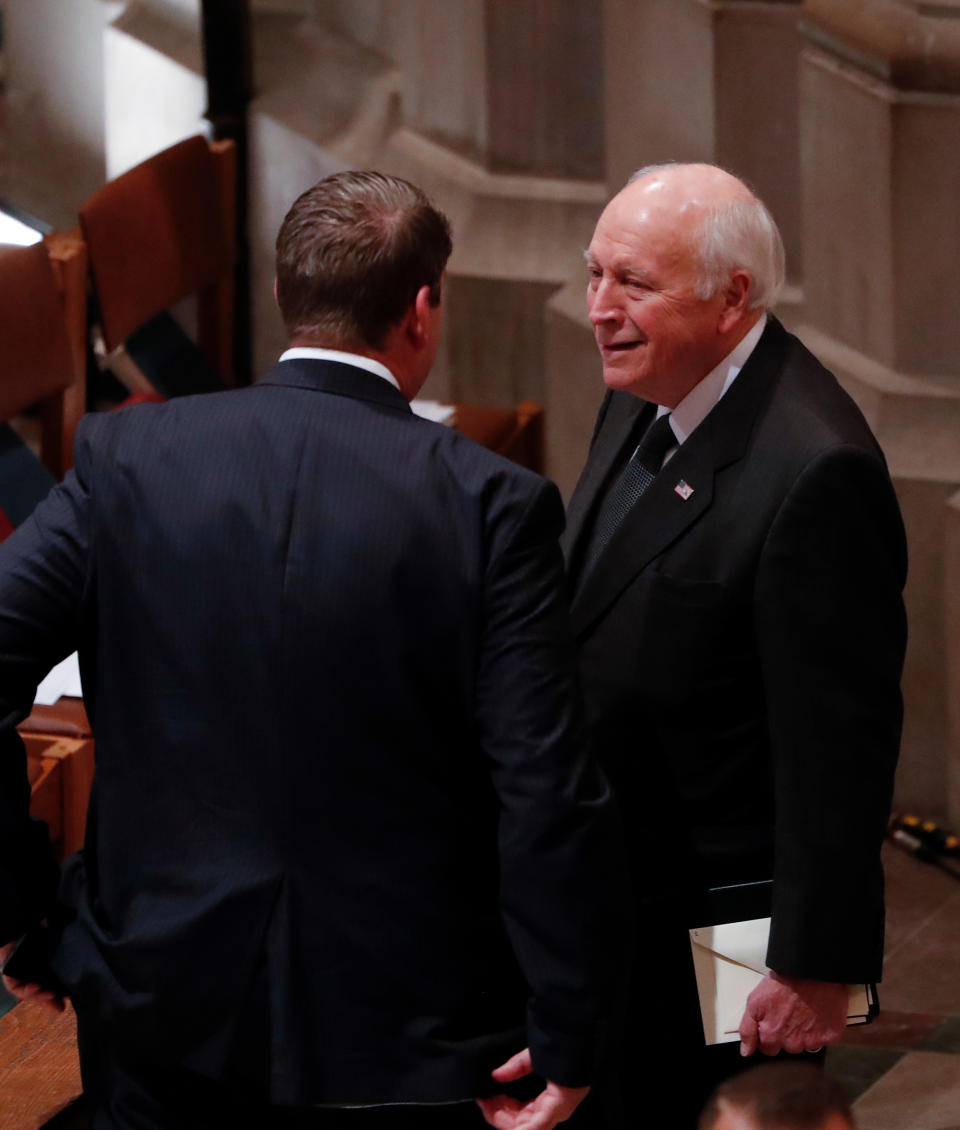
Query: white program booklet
pixel 729 961
pixel 64 679
pixel 434 410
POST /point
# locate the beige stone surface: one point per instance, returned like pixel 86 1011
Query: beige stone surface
pixel 921 1092
pixel 495 339
pixel 659 84
pixel 155 91
pixel 756 61
pixel 881 230
pixel 544 88
pixel 440 51
pixel 516 87
pixel 573 382
pixel 847 202
pixel 694 81
pixel 53 152
pixel 914 44
pixel 346 104
pixel 951 618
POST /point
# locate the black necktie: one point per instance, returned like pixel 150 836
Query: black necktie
pixel 635 478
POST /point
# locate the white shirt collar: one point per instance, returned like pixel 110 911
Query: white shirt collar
pixel 695 406
pixel 312 353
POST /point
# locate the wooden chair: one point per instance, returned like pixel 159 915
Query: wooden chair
pixel 518 435
pixel 161 232
pixel 39 1068
pixel 42 340
pixel 61 775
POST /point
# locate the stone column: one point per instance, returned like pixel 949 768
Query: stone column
pixel 154 78
pixel 54 105
pixel 880 143
pixel 494 107
pixel 685 80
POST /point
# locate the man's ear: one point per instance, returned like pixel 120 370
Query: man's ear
pixel 418 317
pixel 736 299
pixel 276 295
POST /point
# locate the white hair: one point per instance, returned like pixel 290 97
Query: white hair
pixel 739 235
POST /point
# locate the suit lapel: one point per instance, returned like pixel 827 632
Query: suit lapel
pixel 683 491
pixel 658 519
pixel 618 427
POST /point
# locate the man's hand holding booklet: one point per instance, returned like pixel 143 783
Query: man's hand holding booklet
pixel 729 960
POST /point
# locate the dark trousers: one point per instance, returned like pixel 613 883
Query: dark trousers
pixel 661 1073
pixel 126 1092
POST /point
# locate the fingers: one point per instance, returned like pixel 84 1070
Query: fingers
pixel 772 1042
pixel 553 1105
pixel 515 1068
pixel 749 1033
pixel 34 993
pixel 500 1111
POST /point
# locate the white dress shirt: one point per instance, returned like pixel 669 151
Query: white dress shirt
pixel 690 413
pixel 312 353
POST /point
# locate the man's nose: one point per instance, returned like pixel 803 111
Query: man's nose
pixel 602 303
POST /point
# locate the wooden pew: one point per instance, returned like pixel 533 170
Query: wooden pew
pixel 39 1068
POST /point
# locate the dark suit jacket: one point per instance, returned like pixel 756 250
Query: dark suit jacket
pixel 326 657
pixel 741 654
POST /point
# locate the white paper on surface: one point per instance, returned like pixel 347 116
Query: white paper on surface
pixel 434 410
pixel 729 961
pixel 64 679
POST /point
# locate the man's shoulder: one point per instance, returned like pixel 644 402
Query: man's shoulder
pixel 476 472
pixel 414 449
pixel 134 429
pixel 809 411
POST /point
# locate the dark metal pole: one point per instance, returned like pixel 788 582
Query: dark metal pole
pixel 229 72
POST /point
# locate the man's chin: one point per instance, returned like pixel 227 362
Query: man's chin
pixel 621 379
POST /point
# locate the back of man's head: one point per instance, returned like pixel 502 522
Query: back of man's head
pixel 778 1096
pixel 352 253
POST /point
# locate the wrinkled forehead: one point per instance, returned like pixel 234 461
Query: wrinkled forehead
pixel 646 220
pixel 659 200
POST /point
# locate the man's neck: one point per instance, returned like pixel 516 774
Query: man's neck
pixel 391 358
pixel 369 361
pixel 731 340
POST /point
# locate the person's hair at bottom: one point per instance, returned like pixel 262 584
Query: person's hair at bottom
pixel 780 1096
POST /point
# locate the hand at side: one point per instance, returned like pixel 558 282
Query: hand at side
pixel 28 992
pixel 793 1015
pixel 553 1105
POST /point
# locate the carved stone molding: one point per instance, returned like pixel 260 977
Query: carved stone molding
pixel 910 44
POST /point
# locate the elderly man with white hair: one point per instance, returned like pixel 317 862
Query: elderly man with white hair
pixel 736 560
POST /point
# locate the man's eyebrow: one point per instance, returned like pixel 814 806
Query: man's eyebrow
pixel 620 267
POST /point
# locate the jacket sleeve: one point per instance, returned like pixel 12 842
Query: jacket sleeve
pixel 561 886
pixel 43 575
pixel 832 632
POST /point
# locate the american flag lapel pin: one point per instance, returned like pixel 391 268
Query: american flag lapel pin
pixel 684 489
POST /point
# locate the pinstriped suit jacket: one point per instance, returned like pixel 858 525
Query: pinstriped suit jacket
pixel 326 657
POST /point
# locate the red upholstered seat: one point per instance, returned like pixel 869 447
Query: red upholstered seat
pixel 162 231
pixel 42 357
pixel 42 339
pixel 517 434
